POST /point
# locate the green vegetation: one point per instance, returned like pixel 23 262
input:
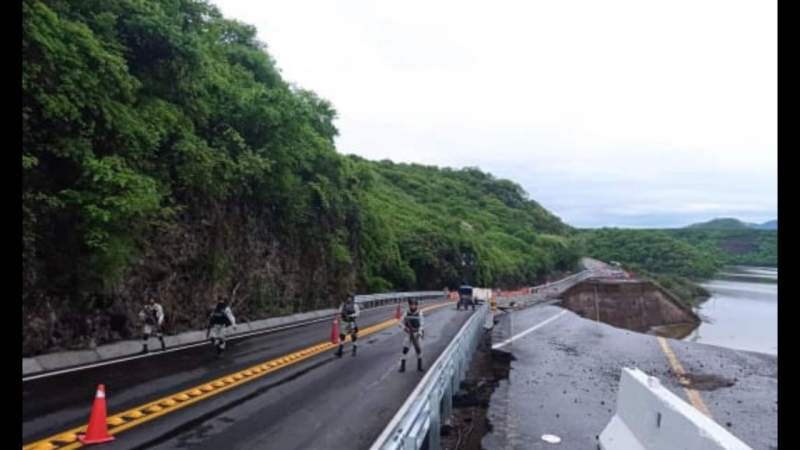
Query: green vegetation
pixel 654 254
pixel 164 155
pixel 725 223
pixel 439 227
pixel 754 247
pixel 678 258
pixel 651 250
pixel 734 224
pixel 138 114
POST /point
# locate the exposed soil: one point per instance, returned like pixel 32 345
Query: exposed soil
pixel 634 305
pixel 465 429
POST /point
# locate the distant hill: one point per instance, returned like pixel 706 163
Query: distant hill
pixel 770 225
pixel 727 223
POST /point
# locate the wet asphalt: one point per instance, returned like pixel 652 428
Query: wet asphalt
pixel 564 378
pixel 312 404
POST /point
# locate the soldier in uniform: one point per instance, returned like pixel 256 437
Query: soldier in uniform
pixel 221 318
pixel 411 323
pixel 348 313
pixel 153 317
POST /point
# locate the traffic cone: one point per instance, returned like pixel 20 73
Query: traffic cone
pixel 399 313
pixel 97 431
pixel 335 332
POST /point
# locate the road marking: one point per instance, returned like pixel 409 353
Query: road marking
pixel 157 408
pixel 529 330
pixel 694 396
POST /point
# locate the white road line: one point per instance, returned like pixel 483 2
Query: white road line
pixel 529 330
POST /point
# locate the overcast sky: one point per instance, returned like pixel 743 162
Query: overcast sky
pixel 608 113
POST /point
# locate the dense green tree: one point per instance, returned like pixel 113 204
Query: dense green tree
pixel 163 154
pixel 679 258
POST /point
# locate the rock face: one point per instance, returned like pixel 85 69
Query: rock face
pixel 631 304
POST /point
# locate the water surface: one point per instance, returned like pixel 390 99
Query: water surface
pixel 742 312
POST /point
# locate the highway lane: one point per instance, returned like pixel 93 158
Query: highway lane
pixel 565 373
pixel 52 405
pixel 341 403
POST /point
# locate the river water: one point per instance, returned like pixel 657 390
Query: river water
pixel 742 312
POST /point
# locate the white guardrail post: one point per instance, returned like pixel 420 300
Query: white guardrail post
pixel 649 416
pixel 421 415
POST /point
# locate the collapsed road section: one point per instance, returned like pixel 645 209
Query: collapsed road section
pixel 632 304
pixel 565 372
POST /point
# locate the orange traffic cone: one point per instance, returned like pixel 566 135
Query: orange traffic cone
pixel 97 431
pixel 399 313
pixel 335 332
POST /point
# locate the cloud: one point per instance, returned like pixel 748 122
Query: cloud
pixel 626 112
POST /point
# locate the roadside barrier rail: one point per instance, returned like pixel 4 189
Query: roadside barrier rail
pixel 420 417
pixel 374 300
pixel 53 363
pixel 574 278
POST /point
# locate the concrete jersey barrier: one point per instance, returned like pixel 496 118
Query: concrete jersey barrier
pixel 651 417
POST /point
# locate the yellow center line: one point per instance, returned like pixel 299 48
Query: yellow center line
pixel 149 411
pixel 693 395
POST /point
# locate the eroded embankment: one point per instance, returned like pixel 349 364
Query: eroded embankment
pixel 469 422
pixel 631 304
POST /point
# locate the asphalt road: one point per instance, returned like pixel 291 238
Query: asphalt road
pixel 564 379
pixel 311 404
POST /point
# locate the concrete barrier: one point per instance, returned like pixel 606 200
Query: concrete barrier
pixel 191 337
pixel 651 417
pixel 61 360
pixel 124 348
pixel 29 365
pixel 52 361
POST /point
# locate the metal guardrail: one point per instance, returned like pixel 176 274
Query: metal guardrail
pixel 373 300
pixel 574 278
pixel 420 416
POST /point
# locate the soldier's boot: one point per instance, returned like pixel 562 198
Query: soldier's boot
pixel 419 365
pixel 402 365
pixel 144 348
pixel 163 344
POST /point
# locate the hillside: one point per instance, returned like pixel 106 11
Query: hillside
pixel 447 226
pixel 679 258
pixel 734 247
pixel 721 224
pixel 164 156
pixel 769 225
pixel 656 254
pixel 733 224
pixel 656 251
